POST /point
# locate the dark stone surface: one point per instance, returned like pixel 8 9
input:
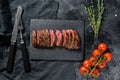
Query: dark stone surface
pixel 57 53
pixel 59 9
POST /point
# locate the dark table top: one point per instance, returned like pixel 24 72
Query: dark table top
pixel 59 9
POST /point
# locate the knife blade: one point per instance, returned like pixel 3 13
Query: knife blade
pixel 17 22
pixel 11 57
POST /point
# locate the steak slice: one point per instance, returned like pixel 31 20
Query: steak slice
pixel 38 37
pixel 45 38
pixel 34 38
pixel 58 38
pixel 76 40
pixel 52 38
pixel 73 38
pixel 64 37
pixel 68 39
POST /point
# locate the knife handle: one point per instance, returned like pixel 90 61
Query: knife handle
pixel 11 58
pixel 25 57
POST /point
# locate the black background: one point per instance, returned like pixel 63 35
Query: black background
pixel 59 9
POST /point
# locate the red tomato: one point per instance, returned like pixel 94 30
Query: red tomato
pixel 84 70
pixel 102 64
pixel 87 63
pixel 108 56
pixel 96 73
pixel 96 53
pixel 102 46
pixel 93 60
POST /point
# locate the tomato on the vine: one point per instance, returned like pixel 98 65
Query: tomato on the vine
pixel 102 64
pixel 96 53
pixel 93 60
pixel 84 70
pixel 108 56
pixel 96 73
pixel 87 63
pixel 102 47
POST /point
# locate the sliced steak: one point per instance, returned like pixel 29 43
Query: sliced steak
pixel 71 40
pixel 68 39
pixel 64 37
pixel 45 42
pixel 76 40
pixel 34 38
pixel 38 37
pixel 70 45
pixel 43 38
pixel 58 38
pixel 52 38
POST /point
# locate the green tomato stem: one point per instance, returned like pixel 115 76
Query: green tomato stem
pixel 99 59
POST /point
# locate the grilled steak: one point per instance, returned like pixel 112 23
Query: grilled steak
pixel 58 38
pixel 66 38
pixel 34 38
pixel 52 38
pixel 73 37
pixel 69 46
pixel 38 37
pixel 45 38
pixel 76 40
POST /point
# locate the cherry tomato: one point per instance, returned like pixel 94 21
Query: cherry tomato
pixel 96 73
pixel 84 70
pixel 87 63
pixel 96 53
pixel 93 60
pixel 108 56
pixel 102 64
pixel 102 46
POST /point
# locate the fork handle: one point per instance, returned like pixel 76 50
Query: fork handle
pixel 25 57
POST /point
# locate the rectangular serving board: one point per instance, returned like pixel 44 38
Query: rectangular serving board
pixel 57 53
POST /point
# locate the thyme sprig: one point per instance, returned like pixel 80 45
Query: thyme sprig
pixel 95 22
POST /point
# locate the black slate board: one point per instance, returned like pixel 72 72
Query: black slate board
pixel 57 53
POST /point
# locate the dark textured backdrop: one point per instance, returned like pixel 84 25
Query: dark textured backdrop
pixel 59 9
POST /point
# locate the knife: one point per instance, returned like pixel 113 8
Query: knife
pixel 11 57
